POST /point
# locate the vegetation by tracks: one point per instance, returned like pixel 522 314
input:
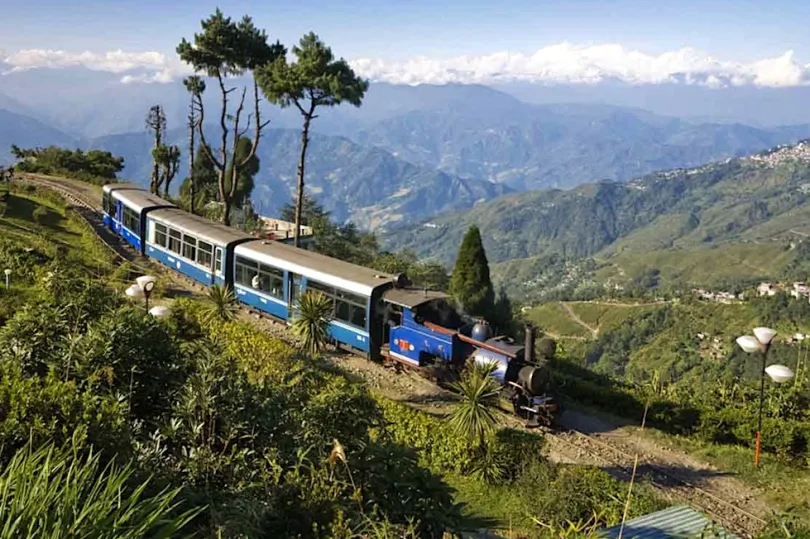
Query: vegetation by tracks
pixel 614 457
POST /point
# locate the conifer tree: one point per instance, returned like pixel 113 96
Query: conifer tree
pixel 470 284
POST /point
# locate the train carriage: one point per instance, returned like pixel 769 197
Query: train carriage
pixel 109 205
pixel 127 209
pixel 192 245
pixel 282 272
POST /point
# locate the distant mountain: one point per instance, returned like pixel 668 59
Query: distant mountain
pixel 494 136
pixel 662 221
pixel 366 185
pixel 27 132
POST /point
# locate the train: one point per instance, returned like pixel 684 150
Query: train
pixel 376 315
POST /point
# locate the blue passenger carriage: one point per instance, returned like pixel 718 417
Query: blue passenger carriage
pixel 192 245
pixel 109 205
pixel 282 272
pixel 127 208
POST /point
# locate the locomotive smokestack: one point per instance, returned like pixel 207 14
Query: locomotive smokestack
pixel 528 347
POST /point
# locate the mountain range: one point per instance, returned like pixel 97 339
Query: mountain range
pixel 705 226
pixel 408 153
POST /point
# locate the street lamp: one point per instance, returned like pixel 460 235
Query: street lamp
pixel 146 284
pixel 760 343
pixel 7 273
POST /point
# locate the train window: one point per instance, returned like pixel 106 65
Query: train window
pixel 218 261
pixel 175 240
pixel 205 254
pixel 131 220
pixel 160 234
pixel 189 247
pixel 347 307
pixel 272 280
pixel 315 286
pixel 245 270
pixel 105 203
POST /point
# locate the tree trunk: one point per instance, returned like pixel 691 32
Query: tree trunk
pixel 155 164
pixel 192 184
pixel 300 195
pixel 226 217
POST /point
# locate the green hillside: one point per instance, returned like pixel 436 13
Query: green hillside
pixel 716 225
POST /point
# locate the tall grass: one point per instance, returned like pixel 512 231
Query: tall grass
pixel 54 493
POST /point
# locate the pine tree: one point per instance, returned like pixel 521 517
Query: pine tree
pixel 470 284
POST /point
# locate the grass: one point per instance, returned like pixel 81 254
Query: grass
pixel 45 223
pixel 702 267
pixel 782 486
pixel 553 319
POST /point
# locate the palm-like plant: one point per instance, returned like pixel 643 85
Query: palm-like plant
pixel 474 416
pixel 221 304
pixel 311 323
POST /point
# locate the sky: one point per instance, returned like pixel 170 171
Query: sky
pixel 430 40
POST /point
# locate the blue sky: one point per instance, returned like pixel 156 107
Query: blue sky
pixel 739 30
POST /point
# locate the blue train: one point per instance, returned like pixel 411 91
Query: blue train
pixel 376 315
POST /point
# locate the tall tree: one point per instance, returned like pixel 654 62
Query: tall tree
pixel 168 160
pixel 470 284
pixel 315 80
pixel 244 176
pixel 223 49
pixel 205 177
pixel 156 122
pixel 195 86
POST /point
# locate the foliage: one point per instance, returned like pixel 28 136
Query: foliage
pixel 720 225
pixel 473 417
pixel 94 166
pixel 311 322
pixel 223 49
pixel 205 180
pixel 168 161
pixel 48 492
pixel 470 284
pixel 221 304
pixel 315 80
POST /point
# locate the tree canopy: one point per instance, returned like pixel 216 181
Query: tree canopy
pixel 470 283
pixel 92 165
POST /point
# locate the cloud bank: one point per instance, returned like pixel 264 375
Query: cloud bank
pixel 561 63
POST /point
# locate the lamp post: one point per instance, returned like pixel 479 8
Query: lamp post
pixel 147 284
pixel 760 343
pixel 7 273
pixel 142 289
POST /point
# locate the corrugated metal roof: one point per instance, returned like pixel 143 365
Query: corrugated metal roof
pixel 678 522
pixel 411 297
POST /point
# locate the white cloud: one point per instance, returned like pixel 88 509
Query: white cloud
pixel 567 63
pixel 157 66
pixel 560 63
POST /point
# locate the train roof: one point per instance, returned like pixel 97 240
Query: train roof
pixel 140 200
pixel 412 297
pixel 202 228
pixel 325 269
pixel 123 185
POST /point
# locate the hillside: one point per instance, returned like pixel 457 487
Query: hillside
pixel 365 184
pixel 25 131
pixel 736 218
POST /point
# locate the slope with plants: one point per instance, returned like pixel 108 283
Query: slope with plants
pixel 201 423
pixel 737 220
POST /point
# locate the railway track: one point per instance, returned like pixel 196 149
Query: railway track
pixel 616 459
pixel 737 519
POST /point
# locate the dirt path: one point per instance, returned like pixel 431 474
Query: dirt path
pixel 575 317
